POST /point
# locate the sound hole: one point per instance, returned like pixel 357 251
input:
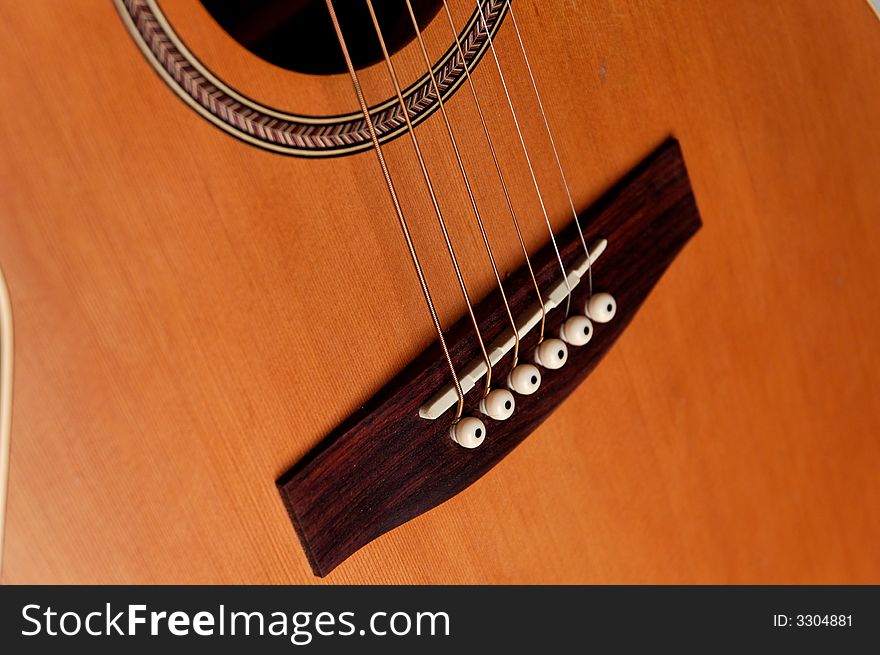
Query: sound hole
pixel 298 35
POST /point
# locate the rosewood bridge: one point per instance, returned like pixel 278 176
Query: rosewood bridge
pixel 394 459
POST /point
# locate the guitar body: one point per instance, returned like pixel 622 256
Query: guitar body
pixel 193 313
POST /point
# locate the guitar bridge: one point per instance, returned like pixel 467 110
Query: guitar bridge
pixel 394 460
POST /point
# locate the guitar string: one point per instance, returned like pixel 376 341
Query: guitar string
pixel 371 128
pixel 465 179
pixel 526 153
pixel 522 48
pixel 427 177
pixel 499 171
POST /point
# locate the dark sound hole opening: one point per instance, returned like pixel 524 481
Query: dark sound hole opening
pixel 298 35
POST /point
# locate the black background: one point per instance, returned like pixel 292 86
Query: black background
pixel 495 619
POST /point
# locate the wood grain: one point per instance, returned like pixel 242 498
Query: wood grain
pixel 193 315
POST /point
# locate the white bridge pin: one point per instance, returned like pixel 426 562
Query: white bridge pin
pixel 468 432
pixel 551 353
pixel 524 379
pixel 576 331
pixel 601 307
pixel 499 404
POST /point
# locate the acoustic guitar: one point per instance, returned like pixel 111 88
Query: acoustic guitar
pixel 440 291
